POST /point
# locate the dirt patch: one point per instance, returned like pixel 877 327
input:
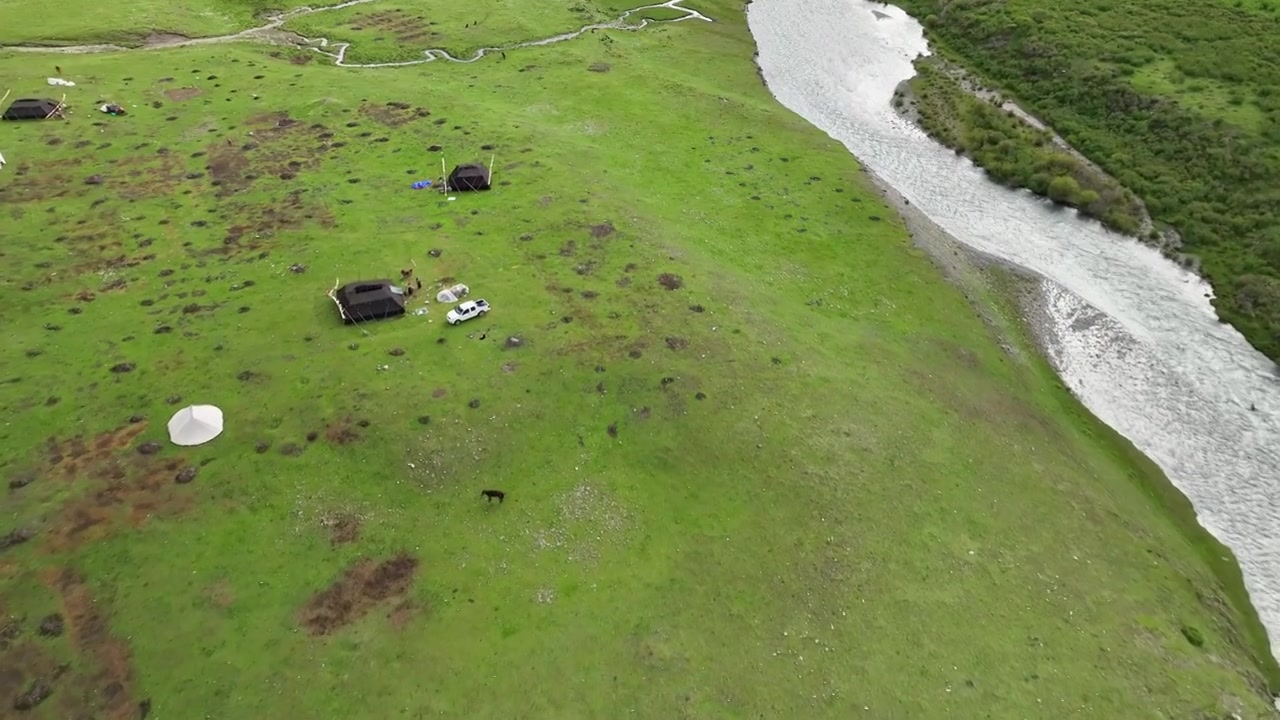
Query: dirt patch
pixel 181 94
pixel 51 626
pixel 603 230
pixel 361 588
pixel 393 114
pixel 401 614
pixel 343 528
pixel 677 343
pixel 291 449
pixel 342 432
pixel 406 28
pixel 111 676
pixel 670 281
pixel 438 393
pixel 123 488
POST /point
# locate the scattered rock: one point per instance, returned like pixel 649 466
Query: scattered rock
pixel 475 403
pixel 36 694
pixel 512 342
pixel 51 626
pixel 123 367
pixel 186 475
pixel 297 268
pixel 149 448
pixel 435 252
pixel 16 537
pixel 670 281
pixel 94 180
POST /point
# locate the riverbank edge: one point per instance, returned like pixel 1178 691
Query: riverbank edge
pixel 1160 236
pixel 1010 298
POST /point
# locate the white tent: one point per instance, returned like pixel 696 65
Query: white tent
pixel 195 425
pixel 453 294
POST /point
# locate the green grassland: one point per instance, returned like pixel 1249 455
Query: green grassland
pixel 1012 151
pixel 1179 101
pixel 760 459
pixel 393 32
pixel 86 21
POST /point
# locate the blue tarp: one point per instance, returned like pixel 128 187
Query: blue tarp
pixel 422 185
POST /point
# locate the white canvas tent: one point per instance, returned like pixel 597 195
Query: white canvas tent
pixel 195 425
pixel 452 294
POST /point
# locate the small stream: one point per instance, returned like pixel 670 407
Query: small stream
pixel 1132 334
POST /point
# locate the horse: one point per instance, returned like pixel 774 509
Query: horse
pixel 491 494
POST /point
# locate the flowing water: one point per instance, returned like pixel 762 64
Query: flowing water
pixel 1132 334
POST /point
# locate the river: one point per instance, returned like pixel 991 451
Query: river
pixel 1131 333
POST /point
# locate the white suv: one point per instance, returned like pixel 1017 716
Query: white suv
pixel 467 310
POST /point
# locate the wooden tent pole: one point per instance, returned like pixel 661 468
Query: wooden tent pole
pixel 6 95
pixel 444 175
pixel 491 157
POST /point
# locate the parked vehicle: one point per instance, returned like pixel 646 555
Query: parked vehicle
pixel 467 310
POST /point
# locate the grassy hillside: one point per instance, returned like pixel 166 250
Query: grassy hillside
pixel 759 458
pixel 1178 101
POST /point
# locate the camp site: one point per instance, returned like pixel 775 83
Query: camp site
pixel 534 360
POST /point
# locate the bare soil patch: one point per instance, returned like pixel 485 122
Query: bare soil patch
pixel 107 671
pixel 124 489
pixel 343 527
pixel 180 94
pixel 393 114
pixel 342 432
pixel 361 588
pixel 603 230
pixel 670 281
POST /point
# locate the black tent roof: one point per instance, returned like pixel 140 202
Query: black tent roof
pixel 472 176
pixel 369 300
pixel 30 109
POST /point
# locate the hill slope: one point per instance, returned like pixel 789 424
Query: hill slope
pixel 758 457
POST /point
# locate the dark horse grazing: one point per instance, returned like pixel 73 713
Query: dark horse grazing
pixel 491 494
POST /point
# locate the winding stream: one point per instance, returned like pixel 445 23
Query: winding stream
pixel 272 31
pixel 1132 334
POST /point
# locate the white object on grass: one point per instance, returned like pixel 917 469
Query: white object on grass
pixel 195 425
pixel 452 294
pixel 467 310
pixel 60 81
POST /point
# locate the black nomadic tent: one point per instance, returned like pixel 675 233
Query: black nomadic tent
pixel 369 300
pixel 469 177
pixel 31 109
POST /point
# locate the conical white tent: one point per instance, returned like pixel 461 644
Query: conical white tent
pixel 195 425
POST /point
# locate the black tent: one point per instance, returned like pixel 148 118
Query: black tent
pixel 31 109
pixel 369 300
pixel 469 177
